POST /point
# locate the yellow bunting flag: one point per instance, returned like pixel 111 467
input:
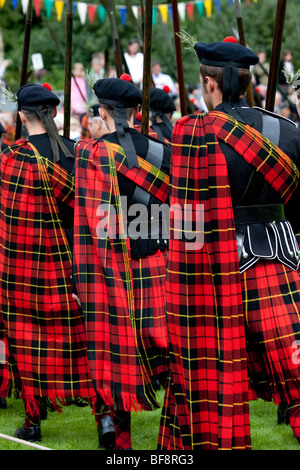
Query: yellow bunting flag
pixel 2 3
pixel 207 5
pixel 59 5
pixel 164 12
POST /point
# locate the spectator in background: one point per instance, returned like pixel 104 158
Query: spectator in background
pixel 161 79
pixel 261 70
pixel 96 72
pixel 3 67
pixel 78 90
pixel 96 124
pixel 135 62
pixel 287 62
pixel 8 120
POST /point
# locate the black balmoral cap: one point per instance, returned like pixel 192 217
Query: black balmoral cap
pixel 228 52
pixel 117 92
pixel 160 100
pixel 34 96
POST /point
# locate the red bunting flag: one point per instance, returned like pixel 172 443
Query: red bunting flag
pixel 190 10
pixel 37 6
pixel 91 12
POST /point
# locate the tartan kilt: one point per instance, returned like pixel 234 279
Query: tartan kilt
pixel 43 323
pixel 149 276
pixel 271 299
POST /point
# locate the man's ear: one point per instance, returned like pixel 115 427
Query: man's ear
pixel 22 117
pixel 102 113
pixel 54 111
pixel 210 83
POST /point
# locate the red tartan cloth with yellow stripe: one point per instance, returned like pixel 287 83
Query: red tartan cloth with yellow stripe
pixel 43 323
pixel 103 276
pixel 206 401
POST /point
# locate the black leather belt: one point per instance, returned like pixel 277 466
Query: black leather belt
pixel 258 214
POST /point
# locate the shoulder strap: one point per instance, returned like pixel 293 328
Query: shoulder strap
pixel 154 157
pixel 271 128
pixel 258 151
pixel 149 178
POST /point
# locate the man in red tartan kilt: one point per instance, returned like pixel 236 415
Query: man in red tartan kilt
pixel 120 261
pixel 41 322
pixel 233 296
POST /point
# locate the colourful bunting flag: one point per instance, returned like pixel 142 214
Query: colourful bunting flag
pixel 91 9
pixel 164 12
pixel 207 6
pixel 59 5
pixel 92 12
pixel 154 10
pixel 37 6
pixel 102 13
pixel 48 6
pixel 200 8
pixel 82 11
pixel 190 10
pixel 181 10
pixel 24 6
pixel 123 11
pixel 218 5
pixel 135 10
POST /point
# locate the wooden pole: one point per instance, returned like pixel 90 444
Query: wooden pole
pixel 26 47
pixel 68 68
pixel 275 54
pixel 180 75
pixel 240 25
pixel 147 78
pixel 116 43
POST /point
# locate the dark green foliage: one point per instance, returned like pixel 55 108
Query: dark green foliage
pixel 48 36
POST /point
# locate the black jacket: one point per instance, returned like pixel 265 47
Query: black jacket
pixel 142 247
pixel 273 238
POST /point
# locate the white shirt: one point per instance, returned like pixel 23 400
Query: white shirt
pixel 135 65
pixel 162 80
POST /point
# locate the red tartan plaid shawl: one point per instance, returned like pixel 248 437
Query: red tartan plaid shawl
pixel 43 323
pixel 104 281
pixel 204 300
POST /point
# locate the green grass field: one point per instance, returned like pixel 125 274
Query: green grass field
pixel 75 428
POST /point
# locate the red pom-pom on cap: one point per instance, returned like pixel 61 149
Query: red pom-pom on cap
pixel 231 39
pixel 126 77
pixel 47 85
pixel 167 89
pixel 139 116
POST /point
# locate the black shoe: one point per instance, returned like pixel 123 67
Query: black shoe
pixel 3 403
pixel 43 409
pixel 31 434
pixel 282 413
pixel 108 435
